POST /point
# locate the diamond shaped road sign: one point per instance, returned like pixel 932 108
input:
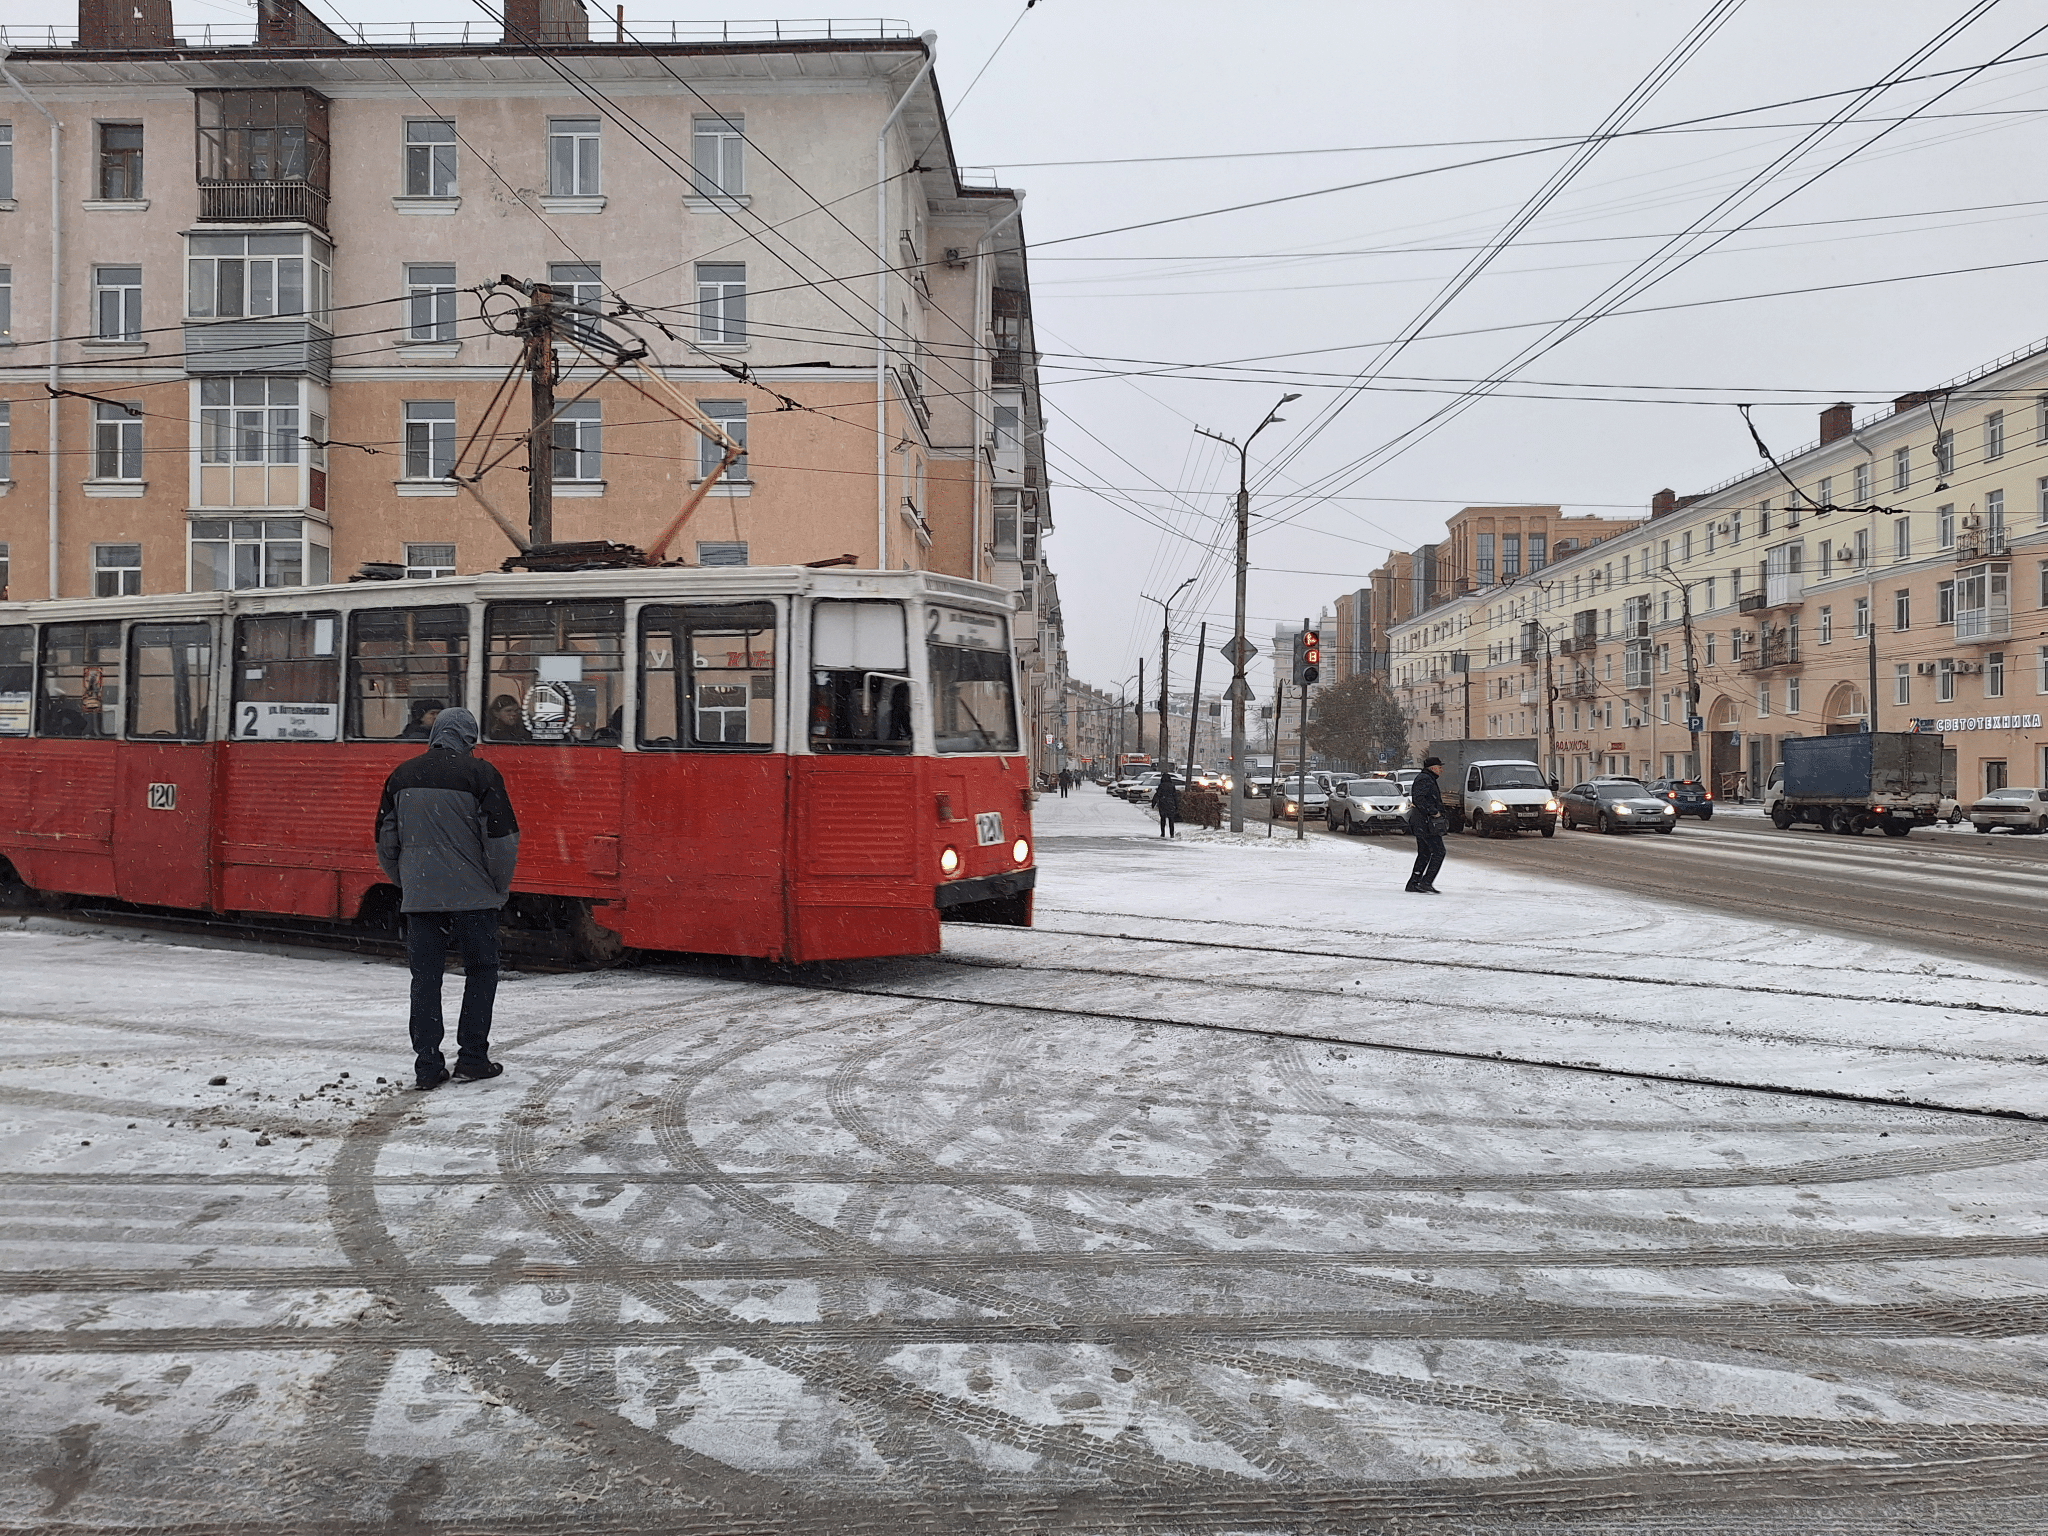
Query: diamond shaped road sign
pixel 1238 689
pixel 1237 652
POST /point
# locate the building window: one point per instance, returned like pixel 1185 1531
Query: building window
pixel 429 439
pixel 429 303
pixel 232 276
pixel 234 554
pixel 6 161
pixel 1902 608
pixel 1994 435
pixel 117 440
pixel 731 418
pixel 722 303
pixel 1483 561
pixel 429 562
pixel 116 570
pixel 1710 648
pixel 7 310
pixel 2041 501
pixel 1994 522
pixel 1685 546
pixel 1763 701
pixel 429 157
pixel 572 157
pixel 1944 681
pixel 6 446
pixel 1539 554
pixel 249 420
pixel 1860 480
pixel 117 303
pixel 1862 549
pixel 1511 557
pixel 1862 630
pixel 1735 528
pixel 120 179
pixel 1902 684
pixel 1791 695
pixel 1945 455
pixel 716 156
pixel 727 552
pixel 1945 602
pixel 1994 675
pixel 1945 526
pixel 1710 538
pixel 1711 603
pixel 2041 669
pixel 1902 538
pixel 1003 530
pixel 578 433
pixel 1902 469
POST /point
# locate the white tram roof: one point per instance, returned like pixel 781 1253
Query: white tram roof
pixel 733 583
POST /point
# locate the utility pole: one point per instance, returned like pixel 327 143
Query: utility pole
pixel 1301 771
pixel 1240 690
pixel 1195 705
pixel 1165 638
pixel 538 325
pixel 1141 706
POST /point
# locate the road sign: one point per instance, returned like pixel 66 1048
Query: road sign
pixel 1238 689
pixel 1237 652
pixel 1694 723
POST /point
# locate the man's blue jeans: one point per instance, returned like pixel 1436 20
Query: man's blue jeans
pixel 428 936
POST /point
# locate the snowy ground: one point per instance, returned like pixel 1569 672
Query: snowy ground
pixel 1245 1193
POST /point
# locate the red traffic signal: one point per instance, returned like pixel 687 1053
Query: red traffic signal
pixel 1312 647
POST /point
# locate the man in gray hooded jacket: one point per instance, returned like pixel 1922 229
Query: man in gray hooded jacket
pixel 447 838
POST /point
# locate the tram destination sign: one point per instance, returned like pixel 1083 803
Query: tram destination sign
pixel 964 627
pixel 256 721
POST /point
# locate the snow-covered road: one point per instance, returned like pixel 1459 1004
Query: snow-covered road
pixel 1246 1192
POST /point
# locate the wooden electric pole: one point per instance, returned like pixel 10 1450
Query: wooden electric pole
pixel 538 325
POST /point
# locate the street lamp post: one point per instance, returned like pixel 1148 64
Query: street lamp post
pixel 1240 691
pixel 1165 627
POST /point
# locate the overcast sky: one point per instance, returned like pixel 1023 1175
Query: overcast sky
pixel 1281 98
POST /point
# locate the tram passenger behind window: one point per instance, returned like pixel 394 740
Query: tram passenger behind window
pixel 859 712
pixel 504 723
pixel 420 727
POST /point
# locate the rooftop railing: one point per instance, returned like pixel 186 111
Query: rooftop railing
pixel 484 32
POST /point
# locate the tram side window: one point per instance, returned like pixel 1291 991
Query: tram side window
pixel 170 670
pixel 708 677
pixel 860 677
pixel 17 678
pixel 555 673
pixel 287 678
pixel 81 681
pixel 405 665
pixel 973 707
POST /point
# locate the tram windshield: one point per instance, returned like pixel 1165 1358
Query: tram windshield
pixel 405 665
pixel 707 679
pixel 973 708
pixel 556 673
pixel 17 678
pixel 860 677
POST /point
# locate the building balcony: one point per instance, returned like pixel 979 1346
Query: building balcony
pixel 1572 645
pixel 258 346
pixel 262 202
pixel 1773 650
pixel 1977 626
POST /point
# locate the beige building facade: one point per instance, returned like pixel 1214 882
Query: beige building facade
pixel 255 333
pixel 1894 576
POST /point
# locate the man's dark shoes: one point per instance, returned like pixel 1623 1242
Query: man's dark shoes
pixel 1411 886
pixel 1427 890
pixel 426 1082
pixel 478 1074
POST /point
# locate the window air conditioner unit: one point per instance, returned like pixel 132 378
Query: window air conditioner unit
pixel 1924 668
pixel 1972 520
pixel 1845 554
pixel 1969 666
pixel 1721 528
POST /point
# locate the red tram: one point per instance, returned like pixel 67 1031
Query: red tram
pixel 792 764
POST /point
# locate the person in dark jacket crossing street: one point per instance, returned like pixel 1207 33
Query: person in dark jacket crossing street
pixel 447 838
pixel 1427 821
pixel 1166 801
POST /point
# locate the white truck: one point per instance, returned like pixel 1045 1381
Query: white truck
pixel 1494 786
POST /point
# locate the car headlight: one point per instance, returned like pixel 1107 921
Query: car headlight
pixel 949 861
pixel 1021 850
pixel 1622 810
pixel 1551 806
pixel 1495 805
pixel 1670 810
pixel 1290 807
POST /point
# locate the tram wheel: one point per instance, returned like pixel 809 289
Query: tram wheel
pixel 594 943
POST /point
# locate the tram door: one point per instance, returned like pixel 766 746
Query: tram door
pixel 707 794
pixel 163 800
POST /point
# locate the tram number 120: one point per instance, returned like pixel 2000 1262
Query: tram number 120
pixel 988 828
pixel 163 797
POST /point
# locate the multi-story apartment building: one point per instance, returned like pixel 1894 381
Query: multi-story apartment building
pixel 1894 576
pixel 254 336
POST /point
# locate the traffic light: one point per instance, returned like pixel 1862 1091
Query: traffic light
pixel 1308 657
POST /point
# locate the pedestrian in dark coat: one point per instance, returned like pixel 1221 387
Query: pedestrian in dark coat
pixel 1166 801
pixel 447 838
pixel 1426 819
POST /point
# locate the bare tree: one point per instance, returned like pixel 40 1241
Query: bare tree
pixel 1357 722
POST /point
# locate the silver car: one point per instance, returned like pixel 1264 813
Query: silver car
pixel 1368 805
pixel 2017 810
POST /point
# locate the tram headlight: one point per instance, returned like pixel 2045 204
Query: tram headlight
pixel 949 862
pixel 1020 850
